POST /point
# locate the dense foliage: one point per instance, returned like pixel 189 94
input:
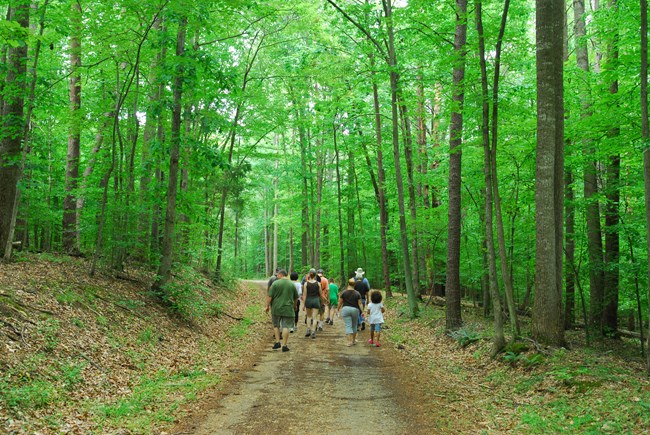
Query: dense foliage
pixel 277 120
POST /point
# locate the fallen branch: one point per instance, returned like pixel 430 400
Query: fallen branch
pixel 92 363
pixel 232 317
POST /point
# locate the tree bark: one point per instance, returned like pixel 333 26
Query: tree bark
pixel 452 285
pixel 11 133
pixel 70 225
pixel 547 322
pixel 498 341
pixel 394 87
pixel 645 135
pixel 612 216
pixel 594 233
pixel 381 191
pixel 167 251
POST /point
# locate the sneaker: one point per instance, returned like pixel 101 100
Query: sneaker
pixel 313 334
pixel 277 345
pixel 291 330
pixel 327 320
pixel 308 333
pixel 285 349
pixel 363 326
pixel 370 341
pixel 331 322
pixel 377 345
pixel 320 328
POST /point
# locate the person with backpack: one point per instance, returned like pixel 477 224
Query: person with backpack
pixel 281 301
pixel 362 286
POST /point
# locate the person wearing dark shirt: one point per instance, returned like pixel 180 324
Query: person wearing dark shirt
pixel 350 307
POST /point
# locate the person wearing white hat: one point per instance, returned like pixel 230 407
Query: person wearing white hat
pixel 362 285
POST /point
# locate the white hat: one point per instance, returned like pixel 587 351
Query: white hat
pixel 359 271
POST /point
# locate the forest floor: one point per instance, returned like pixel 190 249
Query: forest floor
pixel 101 355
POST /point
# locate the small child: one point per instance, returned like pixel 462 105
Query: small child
pixel 376 312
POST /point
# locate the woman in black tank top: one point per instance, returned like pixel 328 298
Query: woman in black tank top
pixel 311 305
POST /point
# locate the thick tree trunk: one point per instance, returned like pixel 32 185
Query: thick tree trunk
pixel 70 225
pixel 11 133
pixel 167 251
pixel 547 322
pixel 452 285
pixel 569 239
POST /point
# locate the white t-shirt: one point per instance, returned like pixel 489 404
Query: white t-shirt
pixel 298 287
pixel 376 316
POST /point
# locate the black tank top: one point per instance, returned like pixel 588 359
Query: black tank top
pixel 313 290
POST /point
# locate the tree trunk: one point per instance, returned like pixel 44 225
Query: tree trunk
pixel 164 270
pixel 645 135
pixel 569 239
pixel 503 256
pixel 612 217
pixel 452 285
pixel 499 341
pixel 381 192
pixel 11 134
pixel 547 322
pixel 304 245
pixel 70 225
pixel 339 208
pixel 594 233
pixel 394 87
pixel 408 157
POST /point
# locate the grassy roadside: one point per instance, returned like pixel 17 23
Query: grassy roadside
pixel 525 389
pixel 101 355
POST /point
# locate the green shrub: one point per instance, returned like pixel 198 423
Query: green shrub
pixel 31 395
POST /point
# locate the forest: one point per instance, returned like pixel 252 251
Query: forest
pixel 487 152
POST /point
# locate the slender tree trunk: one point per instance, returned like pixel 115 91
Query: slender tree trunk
pixel 352 241
pixel 381 191
pixel 612 216
pixel 339 208
pixel 11 132
pixel 305 192
pixel 70 224
pixel 164 270
pixel 452 285
pixel 408 157
pixel 645 134
pixel 276 216
pixel 499 341
pixel 503 256
pixel 394 87
pixel 547 321
pixel 320 173
pixel 594 233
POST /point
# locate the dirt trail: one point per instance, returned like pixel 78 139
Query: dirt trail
pixel 319 386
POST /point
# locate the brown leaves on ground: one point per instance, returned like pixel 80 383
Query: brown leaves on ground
pixel 82 341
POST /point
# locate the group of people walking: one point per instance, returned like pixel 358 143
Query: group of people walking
pixel 322 301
